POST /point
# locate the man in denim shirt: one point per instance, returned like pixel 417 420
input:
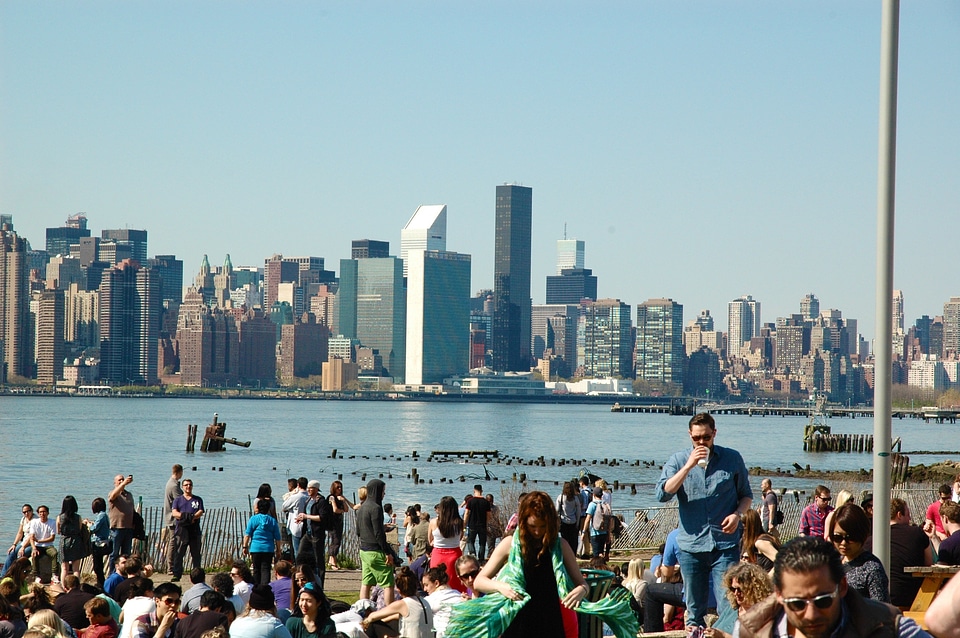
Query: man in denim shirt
pixel 712 488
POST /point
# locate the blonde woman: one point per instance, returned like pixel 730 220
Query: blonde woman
pixel 634 580
pixel 49 619
pixel 842 499
pixel 606 497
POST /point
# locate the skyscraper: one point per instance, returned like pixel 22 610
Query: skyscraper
pixel 951 327
pixel 15 336
pixel 50 348
pixel 209 343
pixel 569 254
pixel 660 341
pixel 607 348
pixel 170 270
pixel 543 335
pixel 62 271
pixel 366 248
pixel 223 282
pixel 129 324
pixel 372 306
pixel 572 286
pixel 135 239
pixel 82 317
pixel 809 306
pixel 743 324
pixel 303 348
pixel 438 310
pixel 792 332
pixel 275 271
pixel 897 310
pixel 426 230
pixel 511 278
pixel 60 239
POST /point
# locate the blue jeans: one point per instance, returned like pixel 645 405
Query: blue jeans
pixel 122 544
pixel 699 569
pixel 473 535
pixel 597 543
pixel 12 556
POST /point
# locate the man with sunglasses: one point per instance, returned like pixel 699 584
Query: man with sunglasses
pixel 162 621
pixel 811 600
pixel 814 516
pixel 933 520
pixel 712 487
pixel 24 528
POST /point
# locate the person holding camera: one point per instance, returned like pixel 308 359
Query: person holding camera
pixel 121 518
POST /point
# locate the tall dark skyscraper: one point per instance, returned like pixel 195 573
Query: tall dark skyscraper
pixel 129 324
pixel 511 279
pixel 572 286
pixel 369 248
pixel 60 239
pixel 135 239
pixel 170 270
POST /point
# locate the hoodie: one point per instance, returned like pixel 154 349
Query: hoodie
pixel 370 519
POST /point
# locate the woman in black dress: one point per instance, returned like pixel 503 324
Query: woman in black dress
pixel 543 557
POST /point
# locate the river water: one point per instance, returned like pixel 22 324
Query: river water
pixel 53 446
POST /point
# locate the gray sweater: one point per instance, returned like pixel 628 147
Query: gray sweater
pixel 370 519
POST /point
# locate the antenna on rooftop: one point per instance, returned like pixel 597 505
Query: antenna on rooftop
pixel 564 230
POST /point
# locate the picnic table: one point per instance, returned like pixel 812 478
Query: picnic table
pixel 933 577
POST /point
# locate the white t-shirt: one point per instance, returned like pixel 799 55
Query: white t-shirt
pixel 39 529
pixel 243 589
pixel 441 602
pixel 133 608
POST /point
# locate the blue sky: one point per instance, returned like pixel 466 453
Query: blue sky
pixel 703 150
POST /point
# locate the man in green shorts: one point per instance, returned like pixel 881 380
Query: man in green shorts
pixel 376 557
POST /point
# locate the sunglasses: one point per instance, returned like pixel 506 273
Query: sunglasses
pixel 171 602
pixel 470 575
pixel 825 499
pixel 840 538
pixel 706 438
pixel 736 590
pixel 823 601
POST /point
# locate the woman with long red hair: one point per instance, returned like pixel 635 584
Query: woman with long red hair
pixel 534 586
pixel 538 535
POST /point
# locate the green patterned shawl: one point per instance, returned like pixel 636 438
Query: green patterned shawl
pixel 488 617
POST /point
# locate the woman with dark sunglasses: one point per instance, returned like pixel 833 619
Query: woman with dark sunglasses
pixel 848 531
pixel 467 569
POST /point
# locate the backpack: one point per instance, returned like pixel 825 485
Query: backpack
pixel 327 518
pixel 85 540
pixel 778 516
pixel 139 529
pixel 602 516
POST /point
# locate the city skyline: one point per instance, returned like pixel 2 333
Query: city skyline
pixel 702 152
pixel 802 304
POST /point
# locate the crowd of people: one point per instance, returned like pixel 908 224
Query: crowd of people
pixel 468 575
